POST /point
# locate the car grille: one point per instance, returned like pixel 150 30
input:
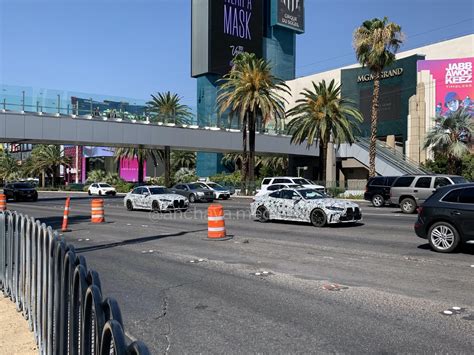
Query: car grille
pixel 178 203
pixel 352 214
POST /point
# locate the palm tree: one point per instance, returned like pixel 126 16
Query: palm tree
pixel 167 108
pixel 8 166
pixel 235 161
pixel 48 159
pixel 376 43
pixel 250 91
pixel 321 115
pixel 450 136
pixel 183 159
pixel 139 153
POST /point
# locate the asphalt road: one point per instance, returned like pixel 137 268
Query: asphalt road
pixel 393 288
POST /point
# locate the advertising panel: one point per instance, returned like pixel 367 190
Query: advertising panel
pixel 290 14
pixel 235 26
pixel 453 84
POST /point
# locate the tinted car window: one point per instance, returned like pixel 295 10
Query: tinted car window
pixel 275 194
pixel 301 181
pixel 452 196
pixel 423 182
pixel 441 181
pixel 390 180
pixel 466 195
pixel 287 194
pixel 157 190
pixel 266 181
pixel 281 181
pixel 145 190
pixel 458 180
pixel 275 187
pixel 404 181
pixel 378 181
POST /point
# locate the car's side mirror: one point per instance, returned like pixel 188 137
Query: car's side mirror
pixel 146 194
pixel 296 198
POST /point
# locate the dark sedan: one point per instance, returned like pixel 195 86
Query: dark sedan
pixel 194 192
pixel 446 218
pixel 18 191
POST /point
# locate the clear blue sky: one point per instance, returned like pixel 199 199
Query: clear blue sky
pixel 135 47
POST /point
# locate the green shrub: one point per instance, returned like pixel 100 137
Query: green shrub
pixel 185 175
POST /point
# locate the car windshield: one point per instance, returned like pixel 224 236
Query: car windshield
pixel 458 180
pixel 310 194
pixel 157 190
pixel 23 186
pixel 104 185
pixel 215 186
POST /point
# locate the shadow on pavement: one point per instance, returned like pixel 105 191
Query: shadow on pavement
pixel 461 249
pixel 78 198
pixel 134 241
pixel 56 221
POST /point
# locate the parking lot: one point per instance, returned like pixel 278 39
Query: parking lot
pixel 369 287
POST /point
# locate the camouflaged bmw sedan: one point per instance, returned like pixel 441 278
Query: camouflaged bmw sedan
pixel 155 198
pixel 304 205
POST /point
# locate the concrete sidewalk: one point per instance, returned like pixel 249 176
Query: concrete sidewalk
pixel 15 337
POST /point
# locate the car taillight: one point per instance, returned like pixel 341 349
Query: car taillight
pixel 366 189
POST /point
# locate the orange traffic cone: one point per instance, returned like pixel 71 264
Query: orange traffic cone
pixel 66 216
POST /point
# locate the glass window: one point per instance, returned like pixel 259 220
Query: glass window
pixel 145 191
pixel 404 181
pixel 466 195
pixel 275 187
pixel 441 181
pixel 458 179
pixel 378 181
pixel 266 181
pixel 281 181
pixel 288 194
pixel 157 190
pixel 452 196
pixel 423 182
pixel 301 182
pixel 275 194
pixel 22 186
pixel 137 191
pixel 390 180
pixel 104 185
pixel 311 194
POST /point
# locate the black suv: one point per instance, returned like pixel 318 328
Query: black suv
pixel 377 190
pixel 20 191
pixel 446 218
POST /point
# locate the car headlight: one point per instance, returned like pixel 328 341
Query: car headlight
pixel 334 208
pixel 200 193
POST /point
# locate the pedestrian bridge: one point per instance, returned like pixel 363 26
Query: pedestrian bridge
pixel 32 127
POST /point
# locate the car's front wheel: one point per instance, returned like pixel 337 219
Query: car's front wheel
pixel 318 218
pixel 89 192
pixel 443 237
pixel 129 205
pixel 408 205
pixel 192 198
pixel 262 214
pixel 378 200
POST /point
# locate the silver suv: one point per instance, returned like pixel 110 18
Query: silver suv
pixel 410 191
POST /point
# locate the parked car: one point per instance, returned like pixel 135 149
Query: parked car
pixel 304 205
pixel 290 180
pixel 154 198
pixel 220 192
pixel 446 218
pixel 377 190
pixel 18 191
pixel 410 191
pixel 274 187
pixel 194 192
pixel 101 188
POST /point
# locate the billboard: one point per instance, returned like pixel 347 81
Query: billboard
pixel 290 14
pixel 235 26
pixel 452 83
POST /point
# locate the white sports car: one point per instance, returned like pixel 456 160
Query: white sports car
pixel 154 198
pixel 304 205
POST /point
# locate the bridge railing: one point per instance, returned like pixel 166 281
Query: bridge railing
pixel 59 296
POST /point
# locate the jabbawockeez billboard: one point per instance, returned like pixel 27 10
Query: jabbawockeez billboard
pixel 454 87
pixel 221 30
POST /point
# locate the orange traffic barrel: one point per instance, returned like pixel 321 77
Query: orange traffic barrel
pixel 66 215
pixel 215 222
pixel 3 202
pixel 97 210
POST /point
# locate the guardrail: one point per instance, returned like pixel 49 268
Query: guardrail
pixel 57 294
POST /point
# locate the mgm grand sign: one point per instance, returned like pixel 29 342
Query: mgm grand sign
pixel 384 75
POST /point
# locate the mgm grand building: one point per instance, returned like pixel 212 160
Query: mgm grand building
pixel 425 82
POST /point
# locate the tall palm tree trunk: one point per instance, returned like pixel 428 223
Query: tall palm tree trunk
pixel 167 162
pixel 140 169
pixel 245 160
pixel 373 125
pixel 252 126
pixel 323 152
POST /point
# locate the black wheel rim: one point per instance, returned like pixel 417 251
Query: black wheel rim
pixel 261 214
pixel 318 218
